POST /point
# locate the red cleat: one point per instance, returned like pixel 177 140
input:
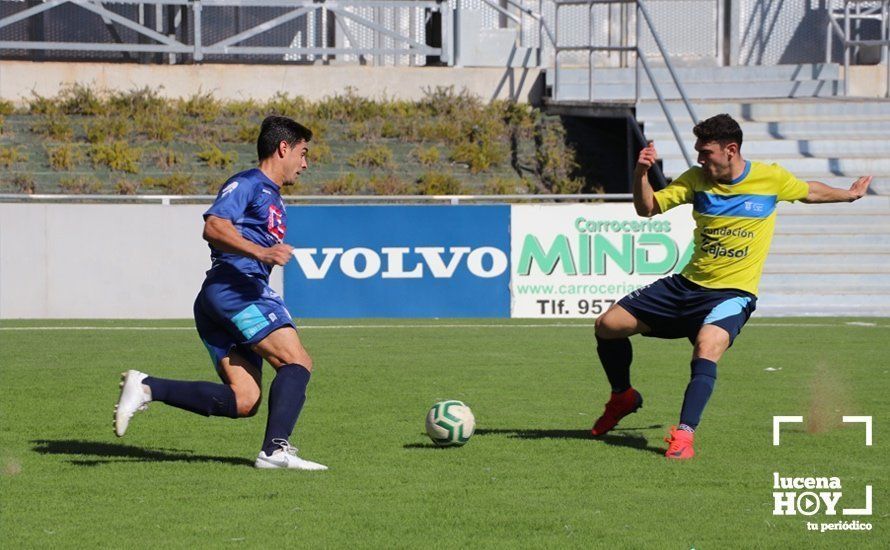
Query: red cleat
pixel 679 444
pixel 619 406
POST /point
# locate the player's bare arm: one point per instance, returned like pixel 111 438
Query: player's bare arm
pixel 821 193
pixel 223 235
pixel 644 195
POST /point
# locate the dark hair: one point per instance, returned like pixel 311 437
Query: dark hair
pixel 720 128
pixel 276 129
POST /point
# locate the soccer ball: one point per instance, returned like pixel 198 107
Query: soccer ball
pixel 450 423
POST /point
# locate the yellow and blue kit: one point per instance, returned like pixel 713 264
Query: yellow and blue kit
pixel 734 224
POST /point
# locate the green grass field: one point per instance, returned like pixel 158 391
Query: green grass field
pixel 530 477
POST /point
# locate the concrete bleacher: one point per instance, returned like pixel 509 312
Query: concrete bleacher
pixel 829 259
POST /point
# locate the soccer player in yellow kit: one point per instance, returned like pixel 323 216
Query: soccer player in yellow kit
pixel 734 207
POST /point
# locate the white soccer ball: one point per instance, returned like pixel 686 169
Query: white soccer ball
pixel 450 423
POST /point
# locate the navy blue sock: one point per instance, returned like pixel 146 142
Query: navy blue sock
pixel 286 397
pixel 701 384
pixel 204 398
pixel 616 356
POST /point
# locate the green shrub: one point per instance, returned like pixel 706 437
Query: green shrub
pixel 6 108
pixel 520 117
pixel 126 187
pixel 64 157
pixel 167 158
pixel 284 105
pixel 479 156
pixel 555 160
pixel 347 107
pixel 507 186
pixel 390 129
pixel 80 185
pixel 204 107
pixel 118 156
pixel 347 184
pixel 214 157
pixel 77 99
pixel 389 184
pixel 54 126
pixel 442 101
pixel 320 153
pixel 372 156
pixel 446 129
pixel 138 101
pixel 426 156
pixel 160 126
pixel 358 131
pixel 107 127
pixel 10 156
pixel 23 183
pixel 39 105
pixel 243 132
pixel 438 183
pixel 241 108
pixel 176 183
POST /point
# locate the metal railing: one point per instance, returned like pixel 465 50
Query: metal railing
pixel 201 199
pixel 181 30
pixel 642 62
pixel 845 23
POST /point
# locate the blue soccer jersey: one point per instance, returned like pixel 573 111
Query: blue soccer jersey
pixel 252 202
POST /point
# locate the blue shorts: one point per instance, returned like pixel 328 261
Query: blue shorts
pixel 233 311
pixel 675 307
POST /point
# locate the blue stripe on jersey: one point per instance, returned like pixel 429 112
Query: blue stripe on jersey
pixel 250 320
pixel 738 206
pixel 727 308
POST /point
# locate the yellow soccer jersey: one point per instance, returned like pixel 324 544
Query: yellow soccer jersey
pixel 734 222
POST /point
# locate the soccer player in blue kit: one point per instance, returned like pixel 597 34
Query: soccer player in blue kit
pixel 240 319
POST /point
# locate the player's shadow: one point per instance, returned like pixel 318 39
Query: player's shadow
pixel 626 437
pixel 94 453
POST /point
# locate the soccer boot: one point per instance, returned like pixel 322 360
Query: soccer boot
pixel 619 406
pixel 285 457
pixel 679 444
pixel 133 398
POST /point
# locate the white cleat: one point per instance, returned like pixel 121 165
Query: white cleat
pixel 286 457
pixel 133 398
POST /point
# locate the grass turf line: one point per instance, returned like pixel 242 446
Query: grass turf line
pixel 530 476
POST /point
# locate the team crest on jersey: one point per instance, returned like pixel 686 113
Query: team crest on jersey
pixel 228 189
pixel 276 222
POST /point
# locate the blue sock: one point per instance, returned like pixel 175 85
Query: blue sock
pixel 204 398
pixel 701 384
pixel 616 356
pixel 286 397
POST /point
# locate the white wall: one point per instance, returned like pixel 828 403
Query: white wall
pixel 101 261
pixel 18 79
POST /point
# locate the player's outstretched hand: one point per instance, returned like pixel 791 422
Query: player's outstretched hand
pixel 647 156
pixel 859 188
pixel 279 254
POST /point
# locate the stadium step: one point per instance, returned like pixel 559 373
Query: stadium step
pixel 822 304
pixel 829 259
pixel 773 110
pixel 765 149
pixel 858 130
pixel 782 81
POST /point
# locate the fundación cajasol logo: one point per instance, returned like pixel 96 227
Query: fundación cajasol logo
pixel 809 496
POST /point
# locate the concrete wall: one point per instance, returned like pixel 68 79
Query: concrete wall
pixel 19 78
pixel 101 261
